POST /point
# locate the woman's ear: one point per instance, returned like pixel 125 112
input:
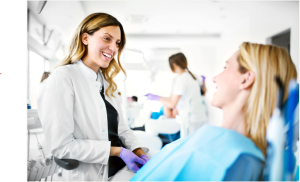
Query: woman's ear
pixel 248 80
pixel 84 38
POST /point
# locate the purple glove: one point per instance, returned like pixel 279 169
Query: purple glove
pixel 152 97
pixel 203 78
pixel 145 158
pixel 131 159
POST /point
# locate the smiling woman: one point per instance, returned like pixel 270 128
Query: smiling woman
pixel 102 46
pixel 81 116
pixel 247 94
pixel 92 30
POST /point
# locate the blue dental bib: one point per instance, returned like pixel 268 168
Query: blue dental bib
pixel 204 156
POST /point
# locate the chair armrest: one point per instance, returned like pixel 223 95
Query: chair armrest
pixel 68 164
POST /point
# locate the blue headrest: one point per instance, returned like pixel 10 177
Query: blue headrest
pixel 291 103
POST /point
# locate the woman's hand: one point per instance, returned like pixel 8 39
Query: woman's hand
pixel 115 151
pixel 138 152
pixel 131 159
pixel 152 97
pixel 145 158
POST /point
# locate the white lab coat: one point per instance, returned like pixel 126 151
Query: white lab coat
pixel 191 107
pixel 74 121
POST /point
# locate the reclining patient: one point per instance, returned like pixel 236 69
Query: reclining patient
pixel 247 93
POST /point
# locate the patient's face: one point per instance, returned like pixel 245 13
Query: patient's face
pixel 227 83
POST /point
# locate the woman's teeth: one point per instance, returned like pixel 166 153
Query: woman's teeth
pixel 107 55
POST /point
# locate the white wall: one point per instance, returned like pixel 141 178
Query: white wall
pixel 208 56
pixel 253 21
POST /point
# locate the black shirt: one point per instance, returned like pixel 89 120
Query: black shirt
pixel 115 163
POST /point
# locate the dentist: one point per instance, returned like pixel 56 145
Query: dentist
pixel 79 107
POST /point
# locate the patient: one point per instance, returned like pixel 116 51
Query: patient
pixel 247 93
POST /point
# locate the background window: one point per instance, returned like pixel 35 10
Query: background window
pixel 36 70
pixel 36 29
pixel 47 66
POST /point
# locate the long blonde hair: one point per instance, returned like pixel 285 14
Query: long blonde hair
pixel 266 61
pixel 91 24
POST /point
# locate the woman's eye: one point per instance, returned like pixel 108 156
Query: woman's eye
pixel 118 44
pixel 106 38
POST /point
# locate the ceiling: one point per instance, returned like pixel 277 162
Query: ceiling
pixel 164 17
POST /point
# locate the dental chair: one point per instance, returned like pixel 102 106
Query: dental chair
pixel 283 137
pixel 162 125
pixel 49 168
pixel 40 166
pixel 132 113
pixel 247 166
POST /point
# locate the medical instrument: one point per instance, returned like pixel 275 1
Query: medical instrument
pixel 45 161
pixel 275 140
pixel 38 168
pixel 130 159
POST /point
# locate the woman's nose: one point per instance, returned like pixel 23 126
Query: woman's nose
pixel 113 47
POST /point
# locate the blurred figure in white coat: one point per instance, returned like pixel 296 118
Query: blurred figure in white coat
pixel 186 98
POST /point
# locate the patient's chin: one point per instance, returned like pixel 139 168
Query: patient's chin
pixel 215 103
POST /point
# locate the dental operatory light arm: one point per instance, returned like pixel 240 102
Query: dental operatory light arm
pixel 171 103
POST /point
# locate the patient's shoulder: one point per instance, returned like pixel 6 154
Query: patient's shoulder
pixel 246 168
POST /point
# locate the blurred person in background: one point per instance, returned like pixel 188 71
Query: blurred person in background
pixel 247 93
pixel 80 111
pixel 134 98
pixel 203 89
pixel 134 102
pixel 43 80
pixel 186 100
pixel 45 76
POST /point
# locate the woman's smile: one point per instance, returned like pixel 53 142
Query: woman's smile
pixel 107 56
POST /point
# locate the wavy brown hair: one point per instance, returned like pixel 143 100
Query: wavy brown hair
pixel 266 61
pixel 45 76
pixel 91 24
